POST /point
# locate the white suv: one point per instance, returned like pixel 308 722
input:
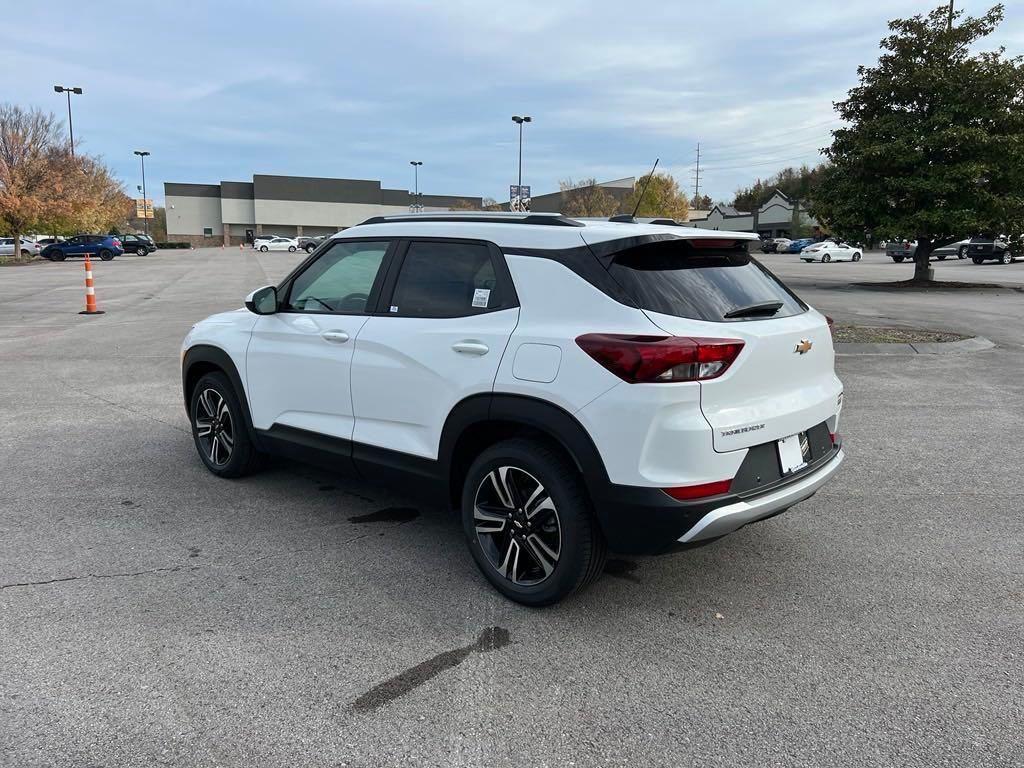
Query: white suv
pixel 569 386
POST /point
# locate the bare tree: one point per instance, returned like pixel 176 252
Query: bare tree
pixel 586 198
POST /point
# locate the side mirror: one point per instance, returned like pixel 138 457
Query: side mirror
pixel 262 301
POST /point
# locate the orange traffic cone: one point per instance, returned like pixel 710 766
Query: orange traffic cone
pixel 90 291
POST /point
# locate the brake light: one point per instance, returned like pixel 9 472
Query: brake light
pixel 661 359
pixel 117 243
pixel 711 243
pixel 687 492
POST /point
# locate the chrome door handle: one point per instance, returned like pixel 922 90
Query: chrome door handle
pixel 470 347
pixel 337 337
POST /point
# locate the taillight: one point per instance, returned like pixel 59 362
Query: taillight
pixel 686 492
pixel 710 242
pixel 661 359
pixel 117 243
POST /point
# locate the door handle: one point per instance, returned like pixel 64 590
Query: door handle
pixel 470 347
pixel 336 337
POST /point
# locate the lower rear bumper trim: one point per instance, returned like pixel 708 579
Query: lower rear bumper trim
pixel 729 518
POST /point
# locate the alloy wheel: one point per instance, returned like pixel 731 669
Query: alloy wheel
pixel 517 525
pixel 214 428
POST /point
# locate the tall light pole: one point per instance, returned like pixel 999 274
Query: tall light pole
pixel 520 121
pixel 416 184
pixel 71 127
pixel 145 208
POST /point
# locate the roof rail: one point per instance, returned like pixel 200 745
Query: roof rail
pixel 625 218
pixel 543 219
pixel 665 222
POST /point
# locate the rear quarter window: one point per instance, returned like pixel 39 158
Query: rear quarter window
pixel 674 277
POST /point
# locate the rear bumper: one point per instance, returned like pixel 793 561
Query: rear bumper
pixel 731 517
pixel 646 521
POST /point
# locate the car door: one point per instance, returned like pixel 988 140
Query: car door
pixel 298 360
pixel 450 308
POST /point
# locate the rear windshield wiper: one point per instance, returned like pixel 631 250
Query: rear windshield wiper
pixel 761 308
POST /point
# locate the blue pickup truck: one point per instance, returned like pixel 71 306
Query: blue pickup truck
pixel 104 246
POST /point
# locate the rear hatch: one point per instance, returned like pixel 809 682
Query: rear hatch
pixel 783 381
pixel 980 247
pixel 898 249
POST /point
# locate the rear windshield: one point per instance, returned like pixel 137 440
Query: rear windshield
pixel 675 278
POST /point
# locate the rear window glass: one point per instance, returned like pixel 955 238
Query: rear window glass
pixel 675 278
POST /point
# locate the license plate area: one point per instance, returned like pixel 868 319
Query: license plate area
pixel 794 453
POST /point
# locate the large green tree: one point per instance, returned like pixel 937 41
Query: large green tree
pixel 934 149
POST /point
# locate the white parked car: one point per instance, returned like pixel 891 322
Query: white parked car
pixel 29 247
pixel 570 387
pixel 830 250
pixel 277 244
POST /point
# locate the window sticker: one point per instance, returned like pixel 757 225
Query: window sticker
pixel 481 297
pixel 394 308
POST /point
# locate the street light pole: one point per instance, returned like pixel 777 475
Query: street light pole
pixel 520 120
pixel 416 184
pixel 145 207
pixel 71 127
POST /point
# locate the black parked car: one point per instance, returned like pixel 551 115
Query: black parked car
pixel 140 245
pixel 309 244
pixel 989 249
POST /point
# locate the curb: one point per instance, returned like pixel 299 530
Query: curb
pixel 973 344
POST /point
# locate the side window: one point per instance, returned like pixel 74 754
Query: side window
pixel 340 280
pixel 440 279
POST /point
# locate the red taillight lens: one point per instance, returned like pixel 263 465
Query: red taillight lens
pixel 701 242
pixel 117 243
pixel 660 359
pixel 686 492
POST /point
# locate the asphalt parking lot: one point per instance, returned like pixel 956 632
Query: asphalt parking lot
pixel 152 614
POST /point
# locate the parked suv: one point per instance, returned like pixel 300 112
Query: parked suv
pixel 104 246
pixel 986 248
pixel 140 245
pixel 569 387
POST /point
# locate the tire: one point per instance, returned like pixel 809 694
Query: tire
pixel 58 256
pixel 856 257
pixel 25 253
pixel 898 259
pixel 976 260
pixel 263 249
pixel 291 249
pixel 309 248
pixel 215 407
pixel 1007 258
pixel 106 255
pixel 568 530
pixel 825 258
pixel 961 252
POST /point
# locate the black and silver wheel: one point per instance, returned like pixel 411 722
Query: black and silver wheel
pixel 528 523
pixel 976 260
pixel 856 257
pixel 219 429
pixel 1007 257
pixel 826 258
pixel 291 249
pixel 264 249
pixel 309 248
pixel 961 252
pixel 106 254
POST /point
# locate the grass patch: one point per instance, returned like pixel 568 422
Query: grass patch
pixel 938 285
pixel 867 334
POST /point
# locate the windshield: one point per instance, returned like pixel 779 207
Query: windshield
pixel 675 277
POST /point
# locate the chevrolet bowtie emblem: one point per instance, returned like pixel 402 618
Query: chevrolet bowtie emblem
pixel 803 347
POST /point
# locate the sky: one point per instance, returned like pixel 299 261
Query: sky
pixel 358 88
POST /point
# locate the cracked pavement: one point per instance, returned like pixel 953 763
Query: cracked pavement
pixel 152 614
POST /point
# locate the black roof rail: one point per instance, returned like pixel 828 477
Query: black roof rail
pixel 550 220
pixel 665 222
pixel 625 218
